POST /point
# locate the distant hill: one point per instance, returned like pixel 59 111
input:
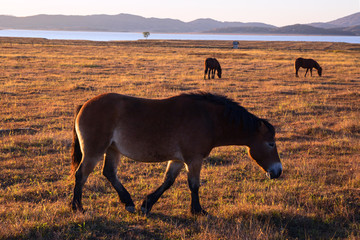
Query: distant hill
pixel 322 25
pixel 114 23
pixel 349 25
pixel 348 21
pixel 243 30
pixel 310 30
pixel 291 29
pixel 206 24
pixel 354 29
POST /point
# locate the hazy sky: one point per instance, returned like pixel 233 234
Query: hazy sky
pixel 276 12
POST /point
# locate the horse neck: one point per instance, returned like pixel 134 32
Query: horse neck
pixel 229 133
pixel 316 65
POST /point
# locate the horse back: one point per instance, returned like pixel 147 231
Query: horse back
pixel 212 63
pixel 306 63
pixel 147 129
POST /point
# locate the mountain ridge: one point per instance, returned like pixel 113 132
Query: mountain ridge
pixel 118 23
pixel 123 22
pixel 301 29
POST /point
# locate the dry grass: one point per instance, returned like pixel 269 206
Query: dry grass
pixel 317 122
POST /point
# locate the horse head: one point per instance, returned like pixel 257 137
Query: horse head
pixel 262 149
pixel 319 71
pixel 219 72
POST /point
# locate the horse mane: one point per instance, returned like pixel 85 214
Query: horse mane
pixel 317 65
pixel 233 111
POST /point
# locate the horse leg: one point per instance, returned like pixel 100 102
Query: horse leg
pixel 194 183
pixel 172 171
pixel 311 71
pixel 109 171
pixel 296 73
pixel 213 73
pixel 209 73
pixel 306 71
pixel 205 72
pixel 87 165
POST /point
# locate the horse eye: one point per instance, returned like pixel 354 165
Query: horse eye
pixel 271 144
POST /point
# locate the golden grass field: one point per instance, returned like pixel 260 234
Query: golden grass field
pixel 317 120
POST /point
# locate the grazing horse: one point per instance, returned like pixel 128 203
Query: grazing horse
pixel 309 64
pixel 181 130
pixel 212 65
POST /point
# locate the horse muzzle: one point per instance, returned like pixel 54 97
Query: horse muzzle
pixel 274 170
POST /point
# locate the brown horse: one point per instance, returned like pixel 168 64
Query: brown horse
pixel 309 64
pixel 181 130
pixel 212 65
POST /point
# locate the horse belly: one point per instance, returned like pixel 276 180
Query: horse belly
pixel 145 150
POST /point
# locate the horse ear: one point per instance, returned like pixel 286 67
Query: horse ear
pixel 263 129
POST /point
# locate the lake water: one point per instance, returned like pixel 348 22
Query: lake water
pixel 131 36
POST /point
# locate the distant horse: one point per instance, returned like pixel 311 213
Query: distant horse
pixel 212 65
pixel 309 64
pixel 181 130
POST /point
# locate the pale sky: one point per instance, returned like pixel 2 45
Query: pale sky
pixel 275 12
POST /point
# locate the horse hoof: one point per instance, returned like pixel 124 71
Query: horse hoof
pixel 199 212
pixel 145 211
pixel 78 210
pixel 130 209
pixel 77 207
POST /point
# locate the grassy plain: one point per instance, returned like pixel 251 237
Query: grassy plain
pixel 318 137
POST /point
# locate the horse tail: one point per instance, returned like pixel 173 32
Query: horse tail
pixel 76 154
pixel 206 66
pixel 207 63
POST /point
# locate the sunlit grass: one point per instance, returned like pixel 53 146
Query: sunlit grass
pixel 317 123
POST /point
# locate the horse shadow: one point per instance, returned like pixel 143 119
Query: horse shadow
pixel 296 226
pixel 217 161
pixel 286 225
pixel 293 226
pixel 98 228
